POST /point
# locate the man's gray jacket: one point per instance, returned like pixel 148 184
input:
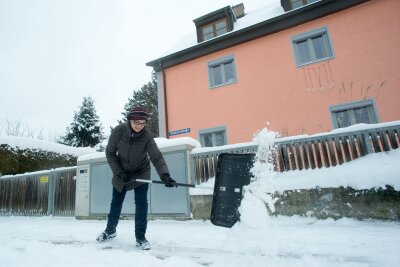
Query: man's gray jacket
pixel 131 152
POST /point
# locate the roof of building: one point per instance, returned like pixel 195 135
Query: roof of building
pixel 255 24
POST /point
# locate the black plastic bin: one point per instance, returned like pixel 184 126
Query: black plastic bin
pixel 233 172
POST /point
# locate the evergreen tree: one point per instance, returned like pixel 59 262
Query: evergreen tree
pixel 86 129
pixel 145 97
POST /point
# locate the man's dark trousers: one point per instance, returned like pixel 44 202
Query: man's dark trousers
pixel 140 212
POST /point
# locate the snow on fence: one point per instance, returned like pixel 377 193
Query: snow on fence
pixel 39 193
pixel 53 191
pixel 309 152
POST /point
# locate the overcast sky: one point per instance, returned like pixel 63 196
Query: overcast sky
pixel 55 52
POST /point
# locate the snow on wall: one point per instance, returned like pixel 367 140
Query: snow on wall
pixel 161 143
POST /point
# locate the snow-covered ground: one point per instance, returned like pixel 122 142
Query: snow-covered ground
pixel 257 240
pixel 283 241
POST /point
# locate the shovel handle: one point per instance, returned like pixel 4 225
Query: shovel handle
pixel 177 184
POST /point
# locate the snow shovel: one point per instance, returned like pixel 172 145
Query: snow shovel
pixel 233 172
pixel 177 184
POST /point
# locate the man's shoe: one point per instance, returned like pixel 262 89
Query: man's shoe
pixel 143 244
pixel 106 235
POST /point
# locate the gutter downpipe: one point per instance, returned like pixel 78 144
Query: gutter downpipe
pixel 165 100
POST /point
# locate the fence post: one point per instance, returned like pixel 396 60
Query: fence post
pixel 51 193
pixel 192 173
pixel 367 142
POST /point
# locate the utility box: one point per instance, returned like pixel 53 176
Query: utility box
pixel 94 188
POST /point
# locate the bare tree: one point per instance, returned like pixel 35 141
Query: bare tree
pixel 39 134
pixel 14 127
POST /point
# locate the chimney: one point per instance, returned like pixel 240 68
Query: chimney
pixel 238 10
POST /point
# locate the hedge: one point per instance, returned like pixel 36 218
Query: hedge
pixel 16 160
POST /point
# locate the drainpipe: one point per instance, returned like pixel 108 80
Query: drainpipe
pixel 165 100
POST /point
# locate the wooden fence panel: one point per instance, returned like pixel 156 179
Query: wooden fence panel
pixel 392 139
pixel 325 150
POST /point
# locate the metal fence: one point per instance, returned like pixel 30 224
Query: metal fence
pixel 64 192
pixel 309 152
pixel 23 196
pixel 39 193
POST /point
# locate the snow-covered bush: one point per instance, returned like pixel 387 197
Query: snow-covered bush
pixel 14 160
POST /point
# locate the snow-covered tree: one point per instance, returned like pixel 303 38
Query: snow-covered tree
pixel 86 129
pixel 145 97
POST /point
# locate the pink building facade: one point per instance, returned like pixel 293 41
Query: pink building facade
pixel 325 65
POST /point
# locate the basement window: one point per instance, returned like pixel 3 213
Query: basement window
pixel 354 113
pixel 213 137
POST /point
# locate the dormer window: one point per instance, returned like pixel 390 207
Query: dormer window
pixel 217 22
pixel 214 29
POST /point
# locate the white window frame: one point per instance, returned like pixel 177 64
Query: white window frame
pixel 328 47
pixel 351 106
pixel 221 62
pixel 214 130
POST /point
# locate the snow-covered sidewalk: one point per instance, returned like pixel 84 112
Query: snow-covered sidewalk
pixel 285 241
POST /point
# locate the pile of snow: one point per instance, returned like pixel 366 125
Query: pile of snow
pixel 372 171
pixel 29 143
pixel 253 209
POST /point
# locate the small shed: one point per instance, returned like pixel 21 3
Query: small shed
pixel 94 188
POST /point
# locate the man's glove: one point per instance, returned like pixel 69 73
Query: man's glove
pixel 168 181
pixel 124 176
